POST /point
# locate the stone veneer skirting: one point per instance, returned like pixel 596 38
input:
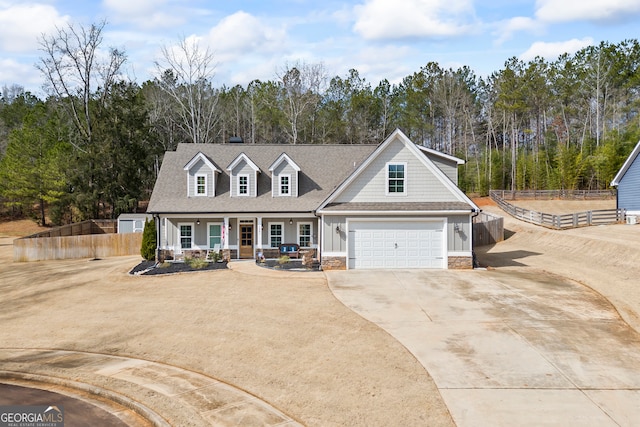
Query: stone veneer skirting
pixel 460 263
pixel 334 263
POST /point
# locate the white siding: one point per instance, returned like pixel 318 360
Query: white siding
pixel 421 184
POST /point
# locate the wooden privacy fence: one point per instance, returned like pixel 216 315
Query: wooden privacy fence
pixel 571 220
pixel 487 229
pixel 554 194
pixel 67 247
pixel 91 226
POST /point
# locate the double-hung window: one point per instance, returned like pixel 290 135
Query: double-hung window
pixel 201 185
pixel 276 232
pixel 396 178
pixel 304 234
pixel 243 185
pixel 285 182
pixel 186 236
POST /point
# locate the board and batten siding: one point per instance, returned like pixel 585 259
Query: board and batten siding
pixel 421 184
pixel 284 168
pixel 243 168
pixel 200 168
pixel 334 242
pixel 629 188
pixel 460 240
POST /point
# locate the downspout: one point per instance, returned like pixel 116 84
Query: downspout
pixel 156 220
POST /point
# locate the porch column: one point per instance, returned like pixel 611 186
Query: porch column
pixel 259 233
pixel 225 224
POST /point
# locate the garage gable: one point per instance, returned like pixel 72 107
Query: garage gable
pixel 399 160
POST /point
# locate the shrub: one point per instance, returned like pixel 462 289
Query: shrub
pixel 197 263
pixel 284 259
pixel 214 256
pixel 149 244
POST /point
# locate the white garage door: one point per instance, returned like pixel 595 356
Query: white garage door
pixel 406 244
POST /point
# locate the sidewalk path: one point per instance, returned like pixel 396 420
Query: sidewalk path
pixel 139 392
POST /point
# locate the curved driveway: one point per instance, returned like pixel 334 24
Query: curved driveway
pixel 510 347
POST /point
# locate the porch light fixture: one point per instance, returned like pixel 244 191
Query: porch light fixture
pixel 198 221
pixel 338 229
pixel 290 221
pixel 229 226
pixel 456 227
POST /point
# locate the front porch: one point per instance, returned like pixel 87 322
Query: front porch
pixel 241 237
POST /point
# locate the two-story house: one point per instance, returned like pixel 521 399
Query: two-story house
pixel 394 205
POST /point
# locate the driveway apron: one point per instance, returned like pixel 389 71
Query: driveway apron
pixel 507 348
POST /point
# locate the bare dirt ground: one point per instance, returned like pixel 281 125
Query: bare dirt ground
pixel 283 338
pixel 605 258
pixel 19 228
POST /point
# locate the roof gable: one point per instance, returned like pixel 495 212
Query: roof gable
pixel 424 160
pixel 205 159
pixel 441 155
pixel 240 158
pixel 284 158
pixel 627 164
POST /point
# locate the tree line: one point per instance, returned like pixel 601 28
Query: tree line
pixel 93 147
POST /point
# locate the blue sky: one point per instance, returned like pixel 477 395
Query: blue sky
pixel 380 38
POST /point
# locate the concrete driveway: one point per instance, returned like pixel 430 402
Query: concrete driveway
pixel 515 347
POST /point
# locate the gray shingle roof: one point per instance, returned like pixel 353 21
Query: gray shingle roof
pixel 323 168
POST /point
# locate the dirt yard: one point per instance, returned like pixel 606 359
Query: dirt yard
pixel 605 258
pixel 283 338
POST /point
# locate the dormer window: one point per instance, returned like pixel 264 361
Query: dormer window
pixel 285 175
pixel 285 182
pixel 201 176
pixel 243 174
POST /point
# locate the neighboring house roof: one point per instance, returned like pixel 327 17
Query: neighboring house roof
pixel 322 169
pixel 627 164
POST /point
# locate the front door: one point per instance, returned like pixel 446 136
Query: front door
pixel 246 240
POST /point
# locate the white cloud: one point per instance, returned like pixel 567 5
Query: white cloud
pixel 392 19
pixel 145 14
pixel 13 72
pixel 551 51
pixel 514 25
pixel 22 24
pixel 590 10
pixel 240 34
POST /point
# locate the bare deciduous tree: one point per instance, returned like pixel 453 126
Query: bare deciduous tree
pixel 75 70
pixel 302 84
pixel 191 69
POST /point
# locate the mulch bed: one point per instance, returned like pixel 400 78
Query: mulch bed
pixel 291 265
pixel 146 268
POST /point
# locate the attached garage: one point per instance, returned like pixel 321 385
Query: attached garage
pixel 397 244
